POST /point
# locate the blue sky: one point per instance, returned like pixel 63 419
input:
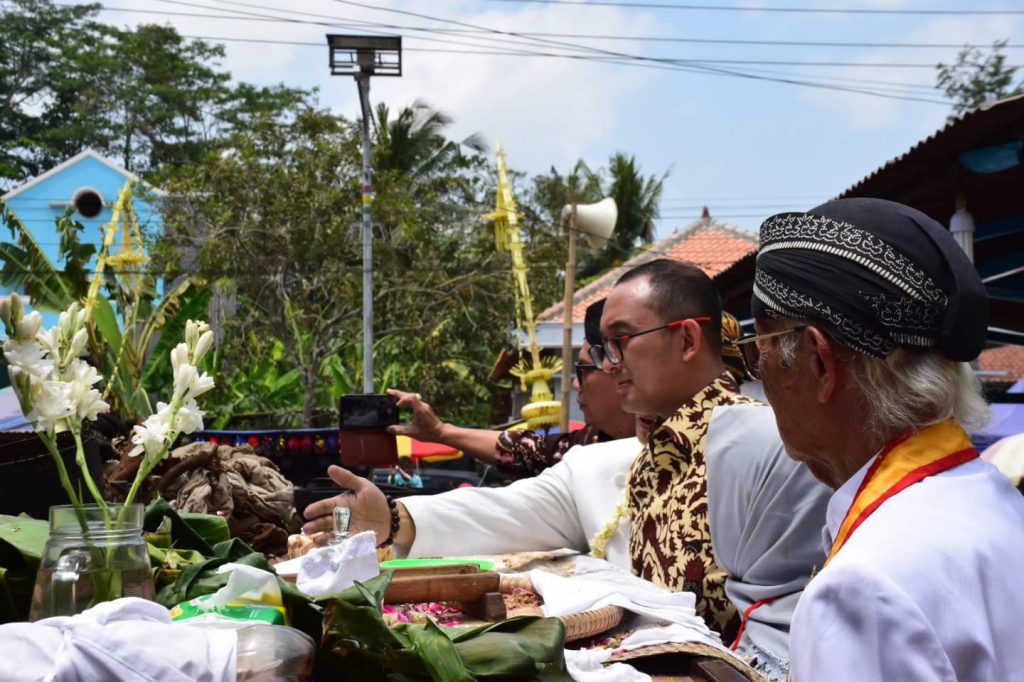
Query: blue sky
pixel 745 148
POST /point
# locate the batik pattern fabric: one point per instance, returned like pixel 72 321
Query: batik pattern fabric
pixel 525 453
pixel 670 536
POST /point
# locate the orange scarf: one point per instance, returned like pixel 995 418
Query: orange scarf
pixel 909 458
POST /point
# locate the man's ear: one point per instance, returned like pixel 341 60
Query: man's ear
pixel 824 364
pixel 692 338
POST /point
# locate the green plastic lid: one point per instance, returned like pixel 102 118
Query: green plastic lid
pixel 429 563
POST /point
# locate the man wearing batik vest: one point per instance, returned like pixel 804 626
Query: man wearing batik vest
pixel 867 313
pixel 662 344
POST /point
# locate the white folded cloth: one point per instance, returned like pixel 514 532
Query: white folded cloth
pixel 656 605
pixel 329 570
pixel 587 665
pixel 660 616
pixel 125 639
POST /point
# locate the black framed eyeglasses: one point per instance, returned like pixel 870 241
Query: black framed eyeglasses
pixel 584 367
pixel 750 347
pixel 612 349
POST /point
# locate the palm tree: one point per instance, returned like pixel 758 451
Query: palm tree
pixel 637 199
pixel 414 144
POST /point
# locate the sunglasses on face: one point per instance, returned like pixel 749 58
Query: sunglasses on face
pixel 613 349
pixel 583 367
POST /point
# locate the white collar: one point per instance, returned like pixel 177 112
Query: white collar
pixel 840 503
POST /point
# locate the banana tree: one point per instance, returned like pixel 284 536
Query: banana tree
pixel 127 325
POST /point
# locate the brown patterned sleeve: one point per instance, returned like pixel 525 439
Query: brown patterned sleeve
pixel 526 453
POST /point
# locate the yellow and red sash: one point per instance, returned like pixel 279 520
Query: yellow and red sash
pixel 908 459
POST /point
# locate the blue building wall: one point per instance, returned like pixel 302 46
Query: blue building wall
pixel 40 202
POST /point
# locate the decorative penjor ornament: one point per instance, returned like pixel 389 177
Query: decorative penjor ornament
pixel 543 410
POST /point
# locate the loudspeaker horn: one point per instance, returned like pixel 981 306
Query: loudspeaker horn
pixel 596 221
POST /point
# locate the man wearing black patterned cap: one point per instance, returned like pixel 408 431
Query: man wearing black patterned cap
pixel 866 313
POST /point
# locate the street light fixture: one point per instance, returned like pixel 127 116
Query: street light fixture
pixel 362 57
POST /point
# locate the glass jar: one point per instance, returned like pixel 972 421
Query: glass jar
pixel 91 557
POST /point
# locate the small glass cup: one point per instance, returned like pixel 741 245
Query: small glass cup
pixel 342 523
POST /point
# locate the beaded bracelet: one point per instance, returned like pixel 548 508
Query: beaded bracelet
pixel 396 523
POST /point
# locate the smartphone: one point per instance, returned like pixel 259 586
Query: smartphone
pixel 363 439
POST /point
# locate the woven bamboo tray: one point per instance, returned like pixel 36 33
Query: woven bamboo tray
pixel 693 649
pixel 577 625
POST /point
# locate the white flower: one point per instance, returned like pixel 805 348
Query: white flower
pixel 5 313
pixel 78 342
pixel 189 383
pixel 179 356
pixel 86 401
pixel 28 326
pixel 149 436
pixel 82 372
pixel 49 341
pixel 203 345
pixel 29 356
pixel 190 417
pixel 148 441
pixel 51 405
pixel 67 321
pixel 193 330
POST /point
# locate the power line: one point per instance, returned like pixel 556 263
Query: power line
pixel 658 62
pixel 754 8
pixel 583 36
pixel 694 66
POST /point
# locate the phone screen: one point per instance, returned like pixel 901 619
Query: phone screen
pixel 363 439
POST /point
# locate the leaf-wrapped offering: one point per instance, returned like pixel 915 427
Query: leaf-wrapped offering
pixel 359 645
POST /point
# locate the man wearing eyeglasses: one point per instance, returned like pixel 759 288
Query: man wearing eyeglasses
pixel 712 454
pixel 867 313
pixel 764 510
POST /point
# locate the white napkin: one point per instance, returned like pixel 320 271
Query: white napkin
pixel 329 570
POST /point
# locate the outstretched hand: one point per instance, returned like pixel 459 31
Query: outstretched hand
pixel 369 507
pixel 425 425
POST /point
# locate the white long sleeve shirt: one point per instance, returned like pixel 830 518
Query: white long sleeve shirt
pixel 566 505
pixel 929 587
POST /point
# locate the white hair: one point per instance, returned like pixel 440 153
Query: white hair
pixel 906 391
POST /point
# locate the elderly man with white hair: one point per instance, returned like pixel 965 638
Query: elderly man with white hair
pixel 867 313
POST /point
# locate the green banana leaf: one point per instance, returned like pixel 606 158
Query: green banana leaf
pixel 199 532
pixel 22 540
pixel 359 645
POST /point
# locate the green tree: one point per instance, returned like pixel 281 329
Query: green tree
pixel 34 53
pixel 977 77
pixel 148 97
pixel 274 215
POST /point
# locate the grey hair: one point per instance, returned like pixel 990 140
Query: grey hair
pixel 904 390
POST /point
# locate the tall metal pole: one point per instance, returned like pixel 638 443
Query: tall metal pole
pixel 570 288
pixel 363 81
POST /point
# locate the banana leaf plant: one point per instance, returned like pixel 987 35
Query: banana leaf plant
pixel 132 325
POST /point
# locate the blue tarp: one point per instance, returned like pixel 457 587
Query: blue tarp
pixel 11 418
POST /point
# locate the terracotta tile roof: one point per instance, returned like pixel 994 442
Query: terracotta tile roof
pixel 1009 359
pixel 713 245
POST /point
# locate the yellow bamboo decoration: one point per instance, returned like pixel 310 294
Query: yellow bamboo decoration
pixel 542 411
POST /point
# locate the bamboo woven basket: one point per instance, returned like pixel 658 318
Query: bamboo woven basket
pixel 577 625
pixel 693 649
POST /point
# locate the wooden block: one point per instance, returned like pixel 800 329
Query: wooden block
pixel 491 606
pixel 415 590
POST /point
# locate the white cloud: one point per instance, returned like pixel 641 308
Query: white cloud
pixel 860 112
pixel 543 110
